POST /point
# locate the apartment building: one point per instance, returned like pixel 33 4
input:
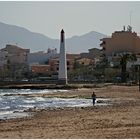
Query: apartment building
pixel 40 69
pixel 16 60
pixel 124 41
pixel 54 63
pixel 3 58
pixel 85 61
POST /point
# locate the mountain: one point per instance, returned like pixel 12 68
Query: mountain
pixel 84 42
pixel 11 34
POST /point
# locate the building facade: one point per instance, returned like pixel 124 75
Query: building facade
pixel 54 63
pixel 40 69
pixel 42 57
pixel 85 61
pixel 121 42
pixel 16 61
pixel 3 58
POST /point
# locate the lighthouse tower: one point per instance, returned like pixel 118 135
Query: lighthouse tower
pixel 62 76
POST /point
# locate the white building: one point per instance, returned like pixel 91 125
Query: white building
pixel 130 63
pixel 42 57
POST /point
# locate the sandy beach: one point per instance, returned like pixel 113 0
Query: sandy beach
pixel 120 119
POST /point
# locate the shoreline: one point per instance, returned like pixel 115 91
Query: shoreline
pixel 83 123
pixel 120 120
pixel 51 86
pixel 84 103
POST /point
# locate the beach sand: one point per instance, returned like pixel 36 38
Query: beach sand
pixel 121 119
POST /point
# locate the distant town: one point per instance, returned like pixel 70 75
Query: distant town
pixel 118 60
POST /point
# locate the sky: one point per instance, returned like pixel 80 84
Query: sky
pixel 76 18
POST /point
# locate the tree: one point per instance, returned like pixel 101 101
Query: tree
pixel 123 62
pixel 111 74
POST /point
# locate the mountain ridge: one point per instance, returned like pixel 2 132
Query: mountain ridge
pixel 13 34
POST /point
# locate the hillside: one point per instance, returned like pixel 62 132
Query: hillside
pixel 11 34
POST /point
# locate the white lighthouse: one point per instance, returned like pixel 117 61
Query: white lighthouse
pixel 62 77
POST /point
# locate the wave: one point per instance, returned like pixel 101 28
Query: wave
pixel 11 114
pixel 27 91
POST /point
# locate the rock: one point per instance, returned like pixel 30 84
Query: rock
pixel 101 101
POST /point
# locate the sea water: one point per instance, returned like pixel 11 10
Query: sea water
pixel 13 104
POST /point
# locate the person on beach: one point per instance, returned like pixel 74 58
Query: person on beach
pixel 93 98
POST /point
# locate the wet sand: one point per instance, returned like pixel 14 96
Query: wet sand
pixel 119 120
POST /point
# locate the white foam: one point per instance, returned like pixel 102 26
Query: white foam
pixel 26 106
pixel 29 101
pixel 4 108
pixel 14 115
pixel 28 91
pixel 59 90
pixel 39 99
pixel 5 112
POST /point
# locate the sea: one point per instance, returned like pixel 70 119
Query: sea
pixel 14 102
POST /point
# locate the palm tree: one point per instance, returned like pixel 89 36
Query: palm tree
pixel 123 62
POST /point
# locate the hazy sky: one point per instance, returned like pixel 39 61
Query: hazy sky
pixel 76 18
